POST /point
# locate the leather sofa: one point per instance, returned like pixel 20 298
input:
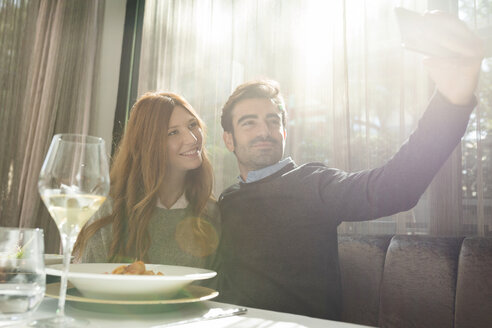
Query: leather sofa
pixel 416 281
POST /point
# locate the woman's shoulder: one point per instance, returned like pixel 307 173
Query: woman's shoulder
pixel 212 209
pixel 97 247
pixel 104 233
pixel 212 213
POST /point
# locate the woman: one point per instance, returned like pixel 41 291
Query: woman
pixel 161 185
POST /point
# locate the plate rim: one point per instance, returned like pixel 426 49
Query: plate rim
pixel 53 259
pixel 205 274
pixel 52 290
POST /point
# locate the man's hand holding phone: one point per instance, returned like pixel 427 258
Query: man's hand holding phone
pixel 455 52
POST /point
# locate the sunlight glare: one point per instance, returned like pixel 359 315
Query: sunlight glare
pixel 314 37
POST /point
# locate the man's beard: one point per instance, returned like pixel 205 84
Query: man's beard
pixel 255 160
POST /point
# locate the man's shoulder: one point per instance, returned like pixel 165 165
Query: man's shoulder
pixel 312 168
pixel 289 174
pixel 229 190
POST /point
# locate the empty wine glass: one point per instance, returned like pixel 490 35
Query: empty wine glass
pixel 73 184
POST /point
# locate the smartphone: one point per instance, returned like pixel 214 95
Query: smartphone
pixel 420 34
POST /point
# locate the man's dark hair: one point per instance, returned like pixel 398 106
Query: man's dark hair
pixel 267 89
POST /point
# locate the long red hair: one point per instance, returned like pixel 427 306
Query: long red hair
pixel 137 172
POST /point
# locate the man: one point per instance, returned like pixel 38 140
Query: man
pixel 279 249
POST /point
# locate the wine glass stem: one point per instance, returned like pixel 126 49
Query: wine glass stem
pixel 67 253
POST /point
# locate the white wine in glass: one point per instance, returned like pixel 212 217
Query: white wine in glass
pixel 73 184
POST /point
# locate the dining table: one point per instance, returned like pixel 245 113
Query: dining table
pixel 185 316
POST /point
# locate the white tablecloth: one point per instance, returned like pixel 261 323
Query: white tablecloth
pixel 253 318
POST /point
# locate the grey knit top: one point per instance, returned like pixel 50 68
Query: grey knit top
pixel 172 240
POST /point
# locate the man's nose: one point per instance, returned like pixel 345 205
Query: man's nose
pixel 264 129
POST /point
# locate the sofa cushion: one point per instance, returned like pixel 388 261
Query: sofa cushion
pixel 474 287
pixel 419 282
pixel 361 266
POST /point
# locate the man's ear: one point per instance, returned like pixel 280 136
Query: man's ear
pixel 228 140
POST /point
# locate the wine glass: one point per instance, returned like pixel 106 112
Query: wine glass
pixel 73 184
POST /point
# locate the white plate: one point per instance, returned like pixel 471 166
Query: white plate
pixel 187 295
pixel 92 280
pixel 50 259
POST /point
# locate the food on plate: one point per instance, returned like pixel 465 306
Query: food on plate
pixel 137 268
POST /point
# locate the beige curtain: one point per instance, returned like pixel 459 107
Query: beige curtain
pixel 57 62
pixel 353 95
pixel 477 144
pixel 17 29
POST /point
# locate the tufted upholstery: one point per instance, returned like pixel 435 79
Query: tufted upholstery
pixel 419 274
pixel 361 264
pixel 416 281
pixel 474 287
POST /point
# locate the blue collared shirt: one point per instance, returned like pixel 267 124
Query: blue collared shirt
pixel 266 171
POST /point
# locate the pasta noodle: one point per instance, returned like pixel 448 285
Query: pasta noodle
pixel 136 268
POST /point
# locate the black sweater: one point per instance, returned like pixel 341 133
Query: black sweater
pixel 279 247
